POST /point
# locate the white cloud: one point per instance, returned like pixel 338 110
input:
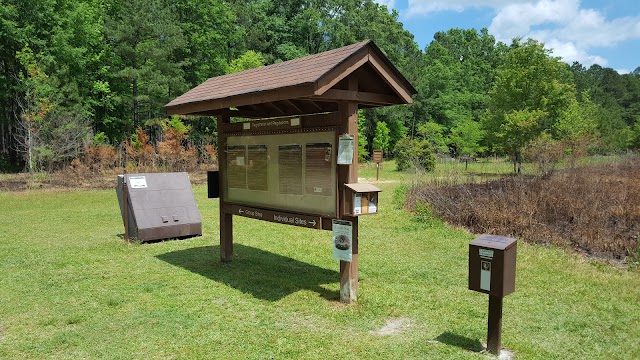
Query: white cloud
pixel 563 25
pixel 389 3
pixel 569 52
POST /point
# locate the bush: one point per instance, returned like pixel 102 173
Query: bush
pixel 414 154
pixel 546 153
pixel 594 210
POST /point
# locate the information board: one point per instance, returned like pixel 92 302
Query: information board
pixel 289 171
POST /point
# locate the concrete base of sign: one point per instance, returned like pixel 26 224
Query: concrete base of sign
pixel 504 353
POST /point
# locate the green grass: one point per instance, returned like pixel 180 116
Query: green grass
pixel 70 287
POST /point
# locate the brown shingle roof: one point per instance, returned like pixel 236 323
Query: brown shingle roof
pixel 265 80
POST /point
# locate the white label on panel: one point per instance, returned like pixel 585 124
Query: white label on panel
pixel 137 182
pixel 342 235
pixel 357 204
pixel 345 150
pixel 240 160
pixel 373 207
pixel 485 275
pixel 295 122
pixel 486 253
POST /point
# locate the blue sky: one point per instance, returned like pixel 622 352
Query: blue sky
pixel 592 32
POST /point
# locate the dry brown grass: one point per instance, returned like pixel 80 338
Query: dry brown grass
pixel 595 209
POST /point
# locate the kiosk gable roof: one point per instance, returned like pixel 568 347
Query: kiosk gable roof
pixel 306 78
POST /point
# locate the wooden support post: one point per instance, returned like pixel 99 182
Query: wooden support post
pixel 349 270
pixel 125 203
pixel 348 117
pixel 494 333
pixel 226 219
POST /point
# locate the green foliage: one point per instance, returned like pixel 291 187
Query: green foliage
pixel 414 154
pixel 400 196
pixel 466 137
pixel 363 153
pixel 434 134
pixel 176 124
pixel 531 93
pixel 210 31
pixel 636 135
pixel 423 214
pixel 113 64
pixel 381 139
pixel 100 139
pixel 246 61
pixel 144 36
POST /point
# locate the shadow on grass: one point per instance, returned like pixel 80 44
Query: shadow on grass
pixel 460 341
pixel 264 275
pixel 138 241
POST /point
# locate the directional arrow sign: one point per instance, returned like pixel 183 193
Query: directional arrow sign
pixel 281 217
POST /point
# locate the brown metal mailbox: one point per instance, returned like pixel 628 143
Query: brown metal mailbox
pixel 160 206
pixel 361 199
pixel 492 265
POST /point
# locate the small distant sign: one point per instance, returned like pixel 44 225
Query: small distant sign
pixel 377 156
pixel 137 182
pixel 273 124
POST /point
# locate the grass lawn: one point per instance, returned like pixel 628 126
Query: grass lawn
pixel 70 287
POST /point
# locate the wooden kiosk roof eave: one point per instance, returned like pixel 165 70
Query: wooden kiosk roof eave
pixel 225 106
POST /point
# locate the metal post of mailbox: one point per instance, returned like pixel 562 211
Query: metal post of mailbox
pixel 494 331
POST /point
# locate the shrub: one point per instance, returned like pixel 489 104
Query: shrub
pixel 414 154
pixel 172 154
pixel 594 210
pixel 100 157
pixel 140 150
pixel 546 153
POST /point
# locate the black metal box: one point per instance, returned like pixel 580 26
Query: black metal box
pixel 160 206
pixel 492 265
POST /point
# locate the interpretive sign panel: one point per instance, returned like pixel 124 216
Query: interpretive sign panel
pixel 257 168
pixel 291 171
pixel 317 165
pixel 281 217
pixel 236 171
pixel 342 249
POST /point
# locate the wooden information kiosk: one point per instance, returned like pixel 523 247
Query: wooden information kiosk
pixel 283 164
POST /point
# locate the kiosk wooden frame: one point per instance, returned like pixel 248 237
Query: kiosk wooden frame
pixel 321 92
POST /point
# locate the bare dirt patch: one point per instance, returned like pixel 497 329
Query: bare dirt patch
pixel 69 179
pixel 394 327
pixel 594 210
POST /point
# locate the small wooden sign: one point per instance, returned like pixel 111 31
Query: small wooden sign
pixel 313 222
pixel 377 156
pixel 272 124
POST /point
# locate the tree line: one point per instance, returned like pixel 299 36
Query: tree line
pixel 76 75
